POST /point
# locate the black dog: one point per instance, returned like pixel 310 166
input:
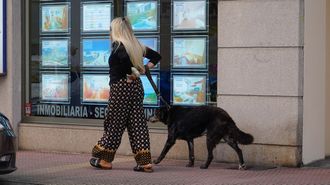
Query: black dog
pixel 187 123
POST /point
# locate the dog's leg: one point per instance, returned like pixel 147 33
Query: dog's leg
pixel 210 147
pixel 191 153
pixel 234 145
pixel 169 143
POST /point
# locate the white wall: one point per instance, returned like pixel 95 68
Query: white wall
pixel 11 90
pixel 260 75
pixel 314 81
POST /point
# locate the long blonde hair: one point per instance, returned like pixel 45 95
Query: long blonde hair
pixel 122 32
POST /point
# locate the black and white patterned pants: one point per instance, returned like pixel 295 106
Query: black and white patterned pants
pixel 125 110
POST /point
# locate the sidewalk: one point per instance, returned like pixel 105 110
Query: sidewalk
pixel 74 169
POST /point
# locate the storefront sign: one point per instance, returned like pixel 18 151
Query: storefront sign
pixel 97 112
pixel 3 46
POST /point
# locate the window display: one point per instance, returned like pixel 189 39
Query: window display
pixel 54 53
pixel 96 17
pixel 95 52
pixel 189 52
pixel 54 18
pixel 143 15
pixel 95 88
pixel 55 87
pixel 68 48
pixel 189 89
pixel 189 15
pixel 150 97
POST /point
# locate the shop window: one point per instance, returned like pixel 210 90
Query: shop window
pixel 69 47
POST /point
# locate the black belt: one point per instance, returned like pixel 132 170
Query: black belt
pixel 147 73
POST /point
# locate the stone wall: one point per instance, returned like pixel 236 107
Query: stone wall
pixel 260 76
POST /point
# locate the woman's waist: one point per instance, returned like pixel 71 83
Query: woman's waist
pixel 114 80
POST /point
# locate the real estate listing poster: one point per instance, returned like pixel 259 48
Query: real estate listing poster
pixel 189 53
pixel 95 88
pixel 150 96
pixel 189 15
pixel 189 89
pixel 143 15
pixel 55 87
pixel 96 17
pixel 54 53
pixel 54 18
pixel 96 52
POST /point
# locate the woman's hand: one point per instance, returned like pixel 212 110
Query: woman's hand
pixel 150 65
pixel 131 77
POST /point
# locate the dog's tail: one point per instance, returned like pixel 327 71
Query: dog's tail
pixel 244 138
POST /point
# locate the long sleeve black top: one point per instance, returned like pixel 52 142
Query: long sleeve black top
pixel 120 63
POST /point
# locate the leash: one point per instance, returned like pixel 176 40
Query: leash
pixel 147 73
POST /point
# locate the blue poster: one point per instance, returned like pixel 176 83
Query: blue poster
pixel 54 53
pixel 143 15
pixel 96 52
pixel 150 96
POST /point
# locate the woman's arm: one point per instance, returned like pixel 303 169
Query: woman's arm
pixel 153 56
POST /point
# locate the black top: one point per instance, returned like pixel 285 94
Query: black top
pixel 120 63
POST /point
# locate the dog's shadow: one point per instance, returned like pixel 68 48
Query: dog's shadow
pixel 252 168
pixel 179 165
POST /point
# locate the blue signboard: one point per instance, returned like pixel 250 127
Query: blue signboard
pixel 3 45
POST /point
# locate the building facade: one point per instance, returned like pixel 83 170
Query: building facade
pixel 264 61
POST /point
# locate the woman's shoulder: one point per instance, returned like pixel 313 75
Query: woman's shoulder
pixel 117 44
pixel 118 49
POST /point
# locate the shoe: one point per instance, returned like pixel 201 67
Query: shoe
pixel 143 168
pixel 95 162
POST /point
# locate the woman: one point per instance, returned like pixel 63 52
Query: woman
pixel 125 106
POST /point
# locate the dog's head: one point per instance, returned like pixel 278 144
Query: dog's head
pixel 161 115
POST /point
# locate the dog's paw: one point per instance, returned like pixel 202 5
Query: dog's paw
pixel 203 166
pixel 156 161
pixel 242 167
pixel 190 165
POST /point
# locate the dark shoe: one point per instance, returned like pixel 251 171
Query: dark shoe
pixel 95 162
pixel 143 168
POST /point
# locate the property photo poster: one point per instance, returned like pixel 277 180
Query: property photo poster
pixel 96 52
pixel 54 17
pixel 55 53
pixel 150 97
pixel 189 53
pixel 189 89
pixel 143 15
pixel 55 87
pixel 189 15
pixel 96 17
pixel 151 42
pixel 95 88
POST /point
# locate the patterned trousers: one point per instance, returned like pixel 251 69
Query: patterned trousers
pixel 125 110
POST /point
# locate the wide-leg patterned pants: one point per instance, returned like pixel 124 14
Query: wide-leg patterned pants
pixel 125 110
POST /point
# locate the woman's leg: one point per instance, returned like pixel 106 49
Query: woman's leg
pixel 137 127
pixel 114 124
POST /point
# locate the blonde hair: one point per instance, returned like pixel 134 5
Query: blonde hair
pixel 122 32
